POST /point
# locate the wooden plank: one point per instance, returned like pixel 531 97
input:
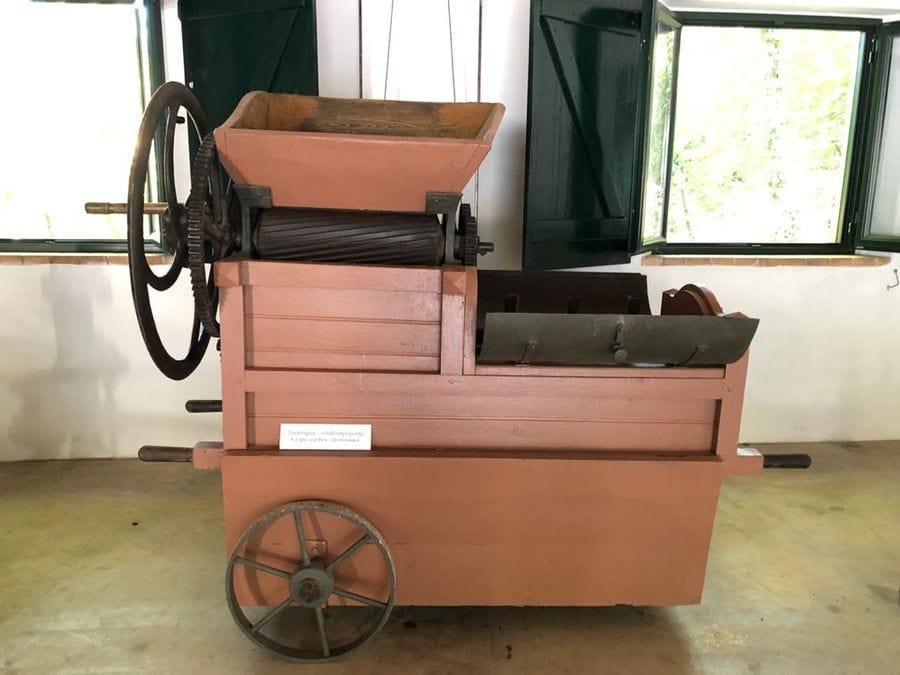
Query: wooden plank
pixel 728 423
pixel 471 319
pixel 342 303
pixel 438 406
pixel 453 320
pixel 234 395
pixel 662 437
pixel 516 387
pixel 398 338
pixel 325 275
pixel 479 531
pixel 324 360
pixel 702 373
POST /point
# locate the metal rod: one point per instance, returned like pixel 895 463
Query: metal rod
pixel 320 619
pixel 270 615
pixel 162 453
pixel 786 461
pixel 107 208
pixel 268 569
pixel 349 552
pixel 200 405
pixel 301 537
pixel 362 599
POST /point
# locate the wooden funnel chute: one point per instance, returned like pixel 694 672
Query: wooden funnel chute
pixel 355 154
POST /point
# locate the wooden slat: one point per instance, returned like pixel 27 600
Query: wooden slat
pixel 660 437
pixel 339 336
pixel 234 397
pixel 515 387
pixel 320 275
pixel 309 360
pixel 478 407
pixel 341 303
pixel 704 373
pixel 453 320
pixel 471 318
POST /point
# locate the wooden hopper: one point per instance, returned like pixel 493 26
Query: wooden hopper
pixel 355 153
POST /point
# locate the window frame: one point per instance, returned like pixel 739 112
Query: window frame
pixel 856 157
pixel 660 14
pixel 885 35
pixel 156 76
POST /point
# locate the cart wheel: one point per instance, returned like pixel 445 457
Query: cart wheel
pixel 302 559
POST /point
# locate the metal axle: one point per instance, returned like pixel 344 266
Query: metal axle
pixel 106 208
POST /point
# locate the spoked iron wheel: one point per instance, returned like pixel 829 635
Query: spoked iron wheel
pixel 311 581
pixel 159 124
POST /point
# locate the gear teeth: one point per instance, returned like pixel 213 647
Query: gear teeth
pixel 197 217
pixel 468 226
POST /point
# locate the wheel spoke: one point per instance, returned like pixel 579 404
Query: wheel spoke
pixel 169 160
pixel 268 569
pixel 301 536
pixel 320 619
pixel 349 595
pixel 358 544
pixel 270 615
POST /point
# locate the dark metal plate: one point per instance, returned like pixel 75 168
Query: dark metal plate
pixel 609 339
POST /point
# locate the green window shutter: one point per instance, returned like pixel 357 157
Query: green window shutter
pixel 235 46
pixel 585 105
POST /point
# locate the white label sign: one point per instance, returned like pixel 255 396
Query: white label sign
pixel 325 437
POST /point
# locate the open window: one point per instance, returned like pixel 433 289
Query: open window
pixel 756 134
pixel 77 75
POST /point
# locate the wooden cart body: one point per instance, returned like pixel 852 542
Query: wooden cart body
pixel 492 485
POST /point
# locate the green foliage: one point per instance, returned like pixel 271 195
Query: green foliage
pixel 762 134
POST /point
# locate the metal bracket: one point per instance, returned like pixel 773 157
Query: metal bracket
pixel 442 202
pixel 250 197
pixel 446 204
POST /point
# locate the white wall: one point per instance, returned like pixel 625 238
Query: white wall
pixel 75 380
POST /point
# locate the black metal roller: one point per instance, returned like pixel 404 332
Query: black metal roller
pixel 158 123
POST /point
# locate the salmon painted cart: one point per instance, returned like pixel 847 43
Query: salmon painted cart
pixel 537 438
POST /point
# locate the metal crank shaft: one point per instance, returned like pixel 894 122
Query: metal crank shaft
pixel 106 208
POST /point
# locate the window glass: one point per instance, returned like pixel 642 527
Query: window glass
pixel 762 134
pixel 72 106
pixel 886 197
pixel 658 132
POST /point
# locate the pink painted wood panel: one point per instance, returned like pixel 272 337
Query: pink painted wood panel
pixel 479 412
pixel 471 320
pixel 453 320
pixel 351 162
pixel 479 531
pixel 321 275
pixel 339 317
pixel 234 397
pixel 343 303
pixel 326 336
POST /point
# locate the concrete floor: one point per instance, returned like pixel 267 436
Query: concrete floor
pixel 117 566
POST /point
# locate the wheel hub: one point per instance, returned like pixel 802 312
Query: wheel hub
pixel 311 586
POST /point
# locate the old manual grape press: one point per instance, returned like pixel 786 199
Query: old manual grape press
pixel 537 438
